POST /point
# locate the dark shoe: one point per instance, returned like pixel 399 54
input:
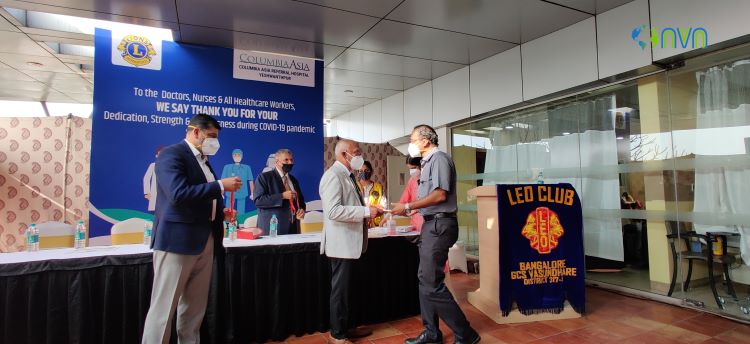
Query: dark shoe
pixel 475 338
pixel 424 339
pixel 358 332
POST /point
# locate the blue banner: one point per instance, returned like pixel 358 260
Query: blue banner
pixel 541 248
pixel 146 90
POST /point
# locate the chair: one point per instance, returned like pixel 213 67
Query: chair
pixel 402 220
pixel 53 234
pixel 251 222
pixel 706 244
pixel 313 222
pixel 457 257
pixel 129 231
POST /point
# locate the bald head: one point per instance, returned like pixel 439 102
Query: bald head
pixel 345 150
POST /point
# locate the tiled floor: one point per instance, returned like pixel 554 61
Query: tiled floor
pixel 699 290
pixel 611 318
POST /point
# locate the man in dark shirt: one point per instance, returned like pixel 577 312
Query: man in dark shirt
pixel 437 203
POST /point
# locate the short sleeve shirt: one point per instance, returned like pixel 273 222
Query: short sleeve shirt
pixel 438 172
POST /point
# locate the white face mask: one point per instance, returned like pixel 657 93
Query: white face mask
pixel 414 150
pixel 210 146
pixel 356 162
pixel 413 171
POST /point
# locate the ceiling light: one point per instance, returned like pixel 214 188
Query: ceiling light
pixel 521 125
pixel 35 64
pixel 622 109
pixel 566 133
pixel 476 131
pixel 88 26
pixel 494 128
pixel 75 109
pixel 509 127
pixel 16 108
pixel 619 137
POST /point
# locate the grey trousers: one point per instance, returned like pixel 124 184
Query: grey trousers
pixel 435 300
pixel 181 283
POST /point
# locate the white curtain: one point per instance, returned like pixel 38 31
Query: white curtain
pixel 587 160
pixel 721 135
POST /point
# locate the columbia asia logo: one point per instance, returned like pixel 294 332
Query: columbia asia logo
pixel 670 37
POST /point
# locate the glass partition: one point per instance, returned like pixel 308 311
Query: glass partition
pixel 710 110
pixel 662 167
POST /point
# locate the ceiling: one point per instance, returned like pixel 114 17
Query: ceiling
pixel 372 49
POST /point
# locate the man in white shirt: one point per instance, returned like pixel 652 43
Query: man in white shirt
pixel 187 225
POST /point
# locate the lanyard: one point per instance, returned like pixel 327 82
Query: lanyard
pixel 292 207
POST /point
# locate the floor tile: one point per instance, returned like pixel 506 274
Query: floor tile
pixel 512 335
pixel 309 339
pixel 735 336
pixel 399 339
pixel 610 318
pixel 407 325
pixel 683 335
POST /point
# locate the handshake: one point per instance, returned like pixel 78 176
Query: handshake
pixel 376 210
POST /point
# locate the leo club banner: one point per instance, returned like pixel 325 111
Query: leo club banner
pixel 146 90
pixel 541 248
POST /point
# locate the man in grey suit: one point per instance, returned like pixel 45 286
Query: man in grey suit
pixel 344 237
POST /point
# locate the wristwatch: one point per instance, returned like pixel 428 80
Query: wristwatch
pixel 407 207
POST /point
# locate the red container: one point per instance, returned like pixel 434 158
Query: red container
pixel 249 233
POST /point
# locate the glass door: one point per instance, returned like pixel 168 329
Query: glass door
pixel 710 115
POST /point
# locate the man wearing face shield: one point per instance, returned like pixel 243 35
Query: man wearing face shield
pixel 344 237
pixel 277 192
pixel 246 175
pixel 188 226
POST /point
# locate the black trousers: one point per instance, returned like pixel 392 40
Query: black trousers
pixel 341 275
pixel 435 300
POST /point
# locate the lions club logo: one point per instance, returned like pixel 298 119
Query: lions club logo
pixel 136 50
pixel 542 228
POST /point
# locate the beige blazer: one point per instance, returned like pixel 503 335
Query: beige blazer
pixel 343 235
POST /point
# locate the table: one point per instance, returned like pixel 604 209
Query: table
pixel 263 289
pixel 96 295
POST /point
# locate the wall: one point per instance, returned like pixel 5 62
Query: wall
pixel 376 154
pixel 596 50
pixel 33 182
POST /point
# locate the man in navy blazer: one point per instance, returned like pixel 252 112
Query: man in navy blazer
pixel 188 225
pixel 277 192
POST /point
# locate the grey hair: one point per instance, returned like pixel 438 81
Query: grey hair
pixel 342 146
pixel 283 151
pixel 427 132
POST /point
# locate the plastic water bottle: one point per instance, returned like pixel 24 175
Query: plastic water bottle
pixel 540 177
pixel 391 223
pixel 32 238
pixel 148 231
pixel 79 237
pixel 274 228
pixel 232 229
